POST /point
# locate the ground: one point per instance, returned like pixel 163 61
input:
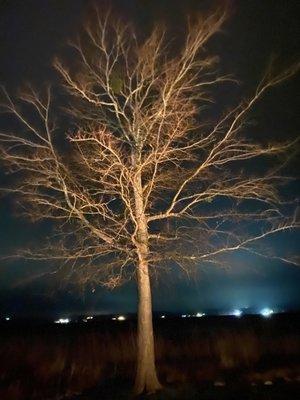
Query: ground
pixel 210 358
pixel 277 391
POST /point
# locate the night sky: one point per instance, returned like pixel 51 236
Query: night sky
pixel 32 32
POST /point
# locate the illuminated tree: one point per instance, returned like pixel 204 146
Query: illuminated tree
pixel 144 178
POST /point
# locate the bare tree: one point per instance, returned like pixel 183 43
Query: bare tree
pixel 144 178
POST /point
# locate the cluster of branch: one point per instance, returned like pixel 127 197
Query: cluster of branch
pixel 137 111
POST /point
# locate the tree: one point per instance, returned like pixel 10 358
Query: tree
pixel 144 177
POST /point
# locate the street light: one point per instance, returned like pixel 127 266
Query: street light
pixel 266 312
pixel 62 321
pixel 237 313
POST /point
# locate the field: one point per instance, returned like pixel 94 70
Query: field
pixel 207 358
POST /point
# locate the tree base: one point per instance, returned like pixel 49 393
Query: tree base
pixel 147 388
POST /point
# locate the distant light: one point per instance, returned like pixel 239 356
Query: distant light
pixel 183 316
pixel 62 321
pixel 268 383
pixel 266 312
pixel 114 318
pixel 90 317
pixel 162 316
pixel 7 318
pixel 219 383
pixel 121 318
pixel 199 314
pixel 237 313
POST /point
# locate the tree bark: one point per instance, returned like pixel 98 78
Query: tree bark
pixel 146 379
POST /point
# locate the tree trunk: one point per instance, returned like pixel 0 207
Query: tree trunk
pixel 146 378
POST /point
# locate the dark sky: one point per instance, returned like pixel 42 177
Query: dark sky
pixel 33 31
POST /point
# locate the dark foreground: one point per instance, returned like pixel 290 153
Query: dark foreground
pixel 210 358
pixel 277 391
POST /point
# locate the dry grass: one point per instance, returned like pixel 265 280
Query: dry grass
pixel 51 361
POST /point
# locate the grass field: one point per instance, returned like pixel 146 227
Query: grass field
pixel 207 358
